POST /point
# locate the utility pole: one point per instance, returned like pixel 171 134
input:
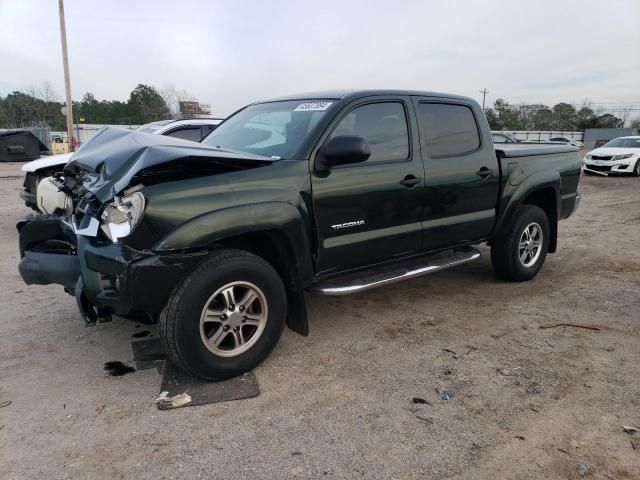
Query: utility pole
pixel 483 92
pixel 67 80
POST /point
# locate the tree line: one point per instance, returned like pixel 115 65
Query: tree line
pixel 561 117
pixel 41 107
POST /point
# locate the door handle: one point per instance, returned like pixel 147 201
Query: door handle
pixel 484 172
pixel 410 181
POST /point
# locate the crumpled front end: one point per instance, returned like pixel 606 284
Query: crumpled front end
pixel 105 278
pixel 82 242
pixel 78 246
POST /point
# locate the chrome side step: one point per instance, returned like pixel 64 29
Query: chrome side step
pixel 387 274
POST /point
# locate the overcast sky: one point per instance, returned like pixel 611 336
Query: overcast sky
pixel 228 53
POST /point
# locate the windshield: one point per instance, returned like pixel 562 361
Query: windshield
pixel 624 143
pixel 273 129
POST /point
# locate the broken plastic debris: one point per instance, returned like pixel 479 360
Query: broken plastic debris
pixel 444 395
pixel 584 469
pixel 163 396
pixel 165 402
pixel 507 371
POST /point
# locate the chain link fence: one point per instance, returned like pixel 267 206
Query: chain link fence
pixel 542 135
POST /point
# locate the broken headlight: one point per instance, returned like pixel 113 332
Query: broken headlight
pixel 120 217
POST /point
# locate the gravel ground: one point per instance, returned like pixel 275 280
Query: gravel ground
pixel 527 403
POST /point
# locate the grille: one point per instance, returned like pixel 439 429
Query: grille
pixel 599 168
pixel 601 157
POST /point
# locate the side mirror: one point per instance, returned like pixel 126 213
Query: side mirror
pixel 343 150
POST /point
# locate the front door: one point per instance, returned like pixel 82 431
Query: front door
pixel 461 173
pixel 371 211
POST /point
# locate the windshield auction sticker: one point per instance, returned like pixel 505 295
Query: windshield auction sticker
pixel 313 106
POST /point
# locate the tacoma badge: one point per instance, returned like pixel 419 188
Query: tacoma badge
pixel 340 226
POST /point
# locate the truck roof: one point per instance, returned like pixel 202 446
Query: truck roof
pixel 353 94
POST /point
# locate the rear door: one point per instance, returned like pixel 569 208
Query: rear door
pixel 371 211
pixel 461 172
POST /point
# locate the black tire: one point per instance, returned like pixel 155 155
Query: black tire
pixel 636 169
pixel 179 324
pixel 505 254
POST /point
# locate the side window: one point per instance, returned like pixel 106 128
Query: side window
pixel 189 133
pixel 383 126
pixel 448 130
pixel 207 129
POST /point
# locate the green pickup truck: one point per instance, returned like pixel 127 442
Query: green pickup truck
pixel 335 193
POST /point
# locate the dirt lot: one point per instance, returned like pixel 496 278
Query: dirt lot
pixel 527 403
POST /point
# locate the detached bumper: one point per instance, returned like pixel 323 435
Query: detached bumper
pixel 114 278
pixel 37 268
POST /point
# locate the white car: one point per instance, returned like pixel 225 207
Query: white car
pixel 567 140
pixel 194 129
pixel 501 137
pixel 621 155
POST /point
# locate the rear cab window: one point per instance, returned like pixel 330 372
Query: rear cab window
pixel 448 130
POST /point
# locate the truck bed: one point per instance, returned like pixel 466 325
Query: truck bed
pixel 527 167
pixel 532 149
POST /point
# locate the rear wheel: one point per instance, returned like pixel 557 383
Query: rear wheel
pixel 226 316
pixel 520 254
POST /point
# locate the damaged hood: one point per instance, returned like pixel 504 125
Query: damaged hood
pixel 106 164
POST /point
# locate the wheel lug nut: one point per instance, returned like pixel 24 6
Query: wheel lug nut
pixel 235 329
pixel 226 327
pixel 223 317
pixel 241 308
pixel 244 319
pixel 231 307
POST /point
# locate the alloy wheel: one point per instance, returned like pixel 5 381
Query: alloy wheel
pixel 233 319
pixel 530 245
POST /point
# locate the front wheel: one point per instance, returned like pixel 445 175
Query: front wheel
pixel 636 169
pixel 521 252
pixel 226 316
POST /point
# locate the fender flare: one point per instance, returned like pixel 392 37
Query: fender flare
pixel 205 230
pixel 516 195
